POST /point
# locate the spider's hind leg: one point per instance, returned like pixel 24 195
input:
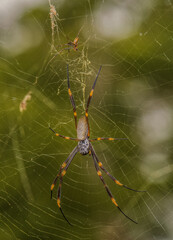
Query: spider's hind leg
pixel 113 178
pixel 63 166
pixel 105 185
pixel 62 173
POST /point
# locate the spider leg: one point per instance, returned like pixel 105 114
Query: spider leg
pixel 103 138
pixel 68 48
pixel 58 201
pixel 61 179
pixel 61 168
pixel 89 99
pixel 74 48
pixel 105 185
pixel 70 44
pixel 71 98
pixel 112 177
pixel 68 138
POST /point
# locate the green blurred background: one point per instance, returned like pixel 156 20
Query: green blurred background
pixel 133 99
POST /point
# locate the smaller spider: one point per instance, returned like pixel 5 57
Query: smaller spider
pixel 85 147
pixel 73 44
pixel 70 45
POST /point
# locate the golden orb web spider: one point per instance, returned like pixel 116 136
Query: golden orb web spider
pixel 85 147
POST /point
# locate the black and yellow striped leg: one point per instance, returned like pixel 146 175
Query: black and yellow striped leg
pixel 63 172
pixel 108 138
pixel 105 185
pixel 55 180
pixel 89 99
pixel 60 170
pixel 68 138
pixel 71 98
pixel 112 177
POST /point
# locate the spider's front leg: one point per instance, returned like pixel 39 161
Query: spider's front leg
pixel 71 98
pixel 89 100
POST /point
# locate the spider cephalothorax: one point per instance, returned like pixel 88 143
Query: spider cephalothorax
pixel 84 147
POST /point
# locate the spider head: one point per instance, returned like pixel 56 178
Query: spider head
pixel 83 146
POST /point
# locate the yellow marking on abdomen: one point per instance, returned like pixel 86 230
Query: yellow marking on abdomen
pixel 111 139
pixel 114 202
pixel 75 114
pixel 99 139
pixel 67 138
pixel 86 114
pixel 57 134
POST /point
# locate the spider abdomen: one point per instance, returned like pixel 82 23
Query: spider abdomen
pixel 82 128
pixel 83 146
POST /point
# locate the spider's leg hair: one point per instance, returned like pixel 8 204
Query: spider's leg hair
pixel 112 177
pixel 68 138
pixel 107 138
pixel 61 179
pixel 65 163
pixel 89 99
pixel 105 185
pixel 71 98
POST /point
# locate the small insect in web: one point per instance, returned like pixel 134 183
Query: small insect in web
pixel 70 45
pixel 85 147
pixel 73 44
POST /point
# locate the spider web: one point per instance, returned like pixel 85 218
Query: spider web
pixel 132 40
